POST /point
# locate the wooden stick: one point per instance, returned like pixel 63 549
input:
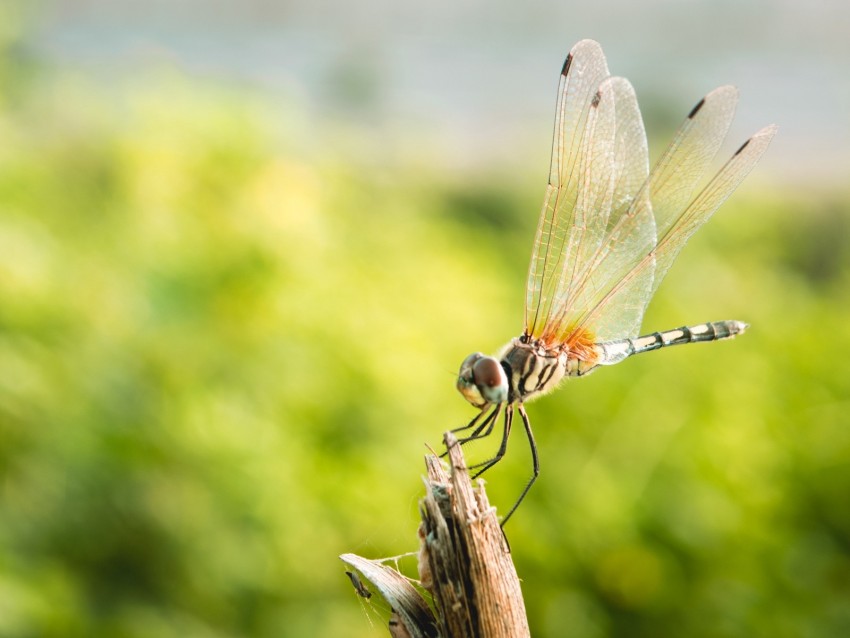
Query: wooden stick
pixel 464 563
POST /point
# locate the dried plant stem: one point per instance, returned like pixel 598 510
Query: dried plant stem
pixel 464 563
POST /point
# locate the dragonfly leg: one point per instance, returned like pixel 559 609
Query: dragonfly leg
pixel 527 424
pixel 488 423
pixel 476 433
pixel 470 424
pixel 486 465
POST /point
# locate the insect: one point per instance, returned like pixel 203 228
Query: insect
pixel 358 585
pixel 609 230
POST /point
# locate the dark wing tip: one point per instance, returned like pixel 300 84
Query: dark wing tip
pixel 743 146
pixel 762 137
pixel 596 99
pixel 696 109
pixel 566 68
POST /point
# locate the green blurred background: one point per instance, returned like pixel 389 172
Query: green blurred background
pixel 245 246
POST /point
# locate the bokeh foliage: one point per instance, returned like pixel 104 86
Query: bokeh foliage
pixel 222 351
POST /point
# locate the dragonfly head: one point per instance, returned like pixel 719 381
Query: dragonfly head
pixel 482 380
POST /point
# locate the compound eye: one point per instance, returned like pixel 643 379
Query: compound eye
pixel 469 362
pixel 487 373
pixel 482 381
pixel 490 379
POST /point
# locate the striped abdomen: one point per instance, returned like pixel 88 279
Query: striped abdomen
pixel 611 352
pixel 532 371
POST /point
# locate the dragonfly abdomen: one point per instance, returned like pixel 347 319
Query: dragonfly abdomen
pixel 612 352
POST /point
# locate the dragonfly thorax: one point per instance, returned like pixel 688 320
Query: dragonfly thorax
pixel 532 369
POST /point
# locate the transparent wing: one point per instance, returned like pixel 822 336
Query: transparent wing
pixel 667 191
pixel 709 200
pixel 583 71
pixel 609 301
pixel 608 233
pixel 679 229
pixel 613 218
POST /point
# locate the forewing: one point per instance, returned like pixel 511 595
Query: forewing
pixel 616 167
pixel 689 155
pixel 583 71
pixel 709 200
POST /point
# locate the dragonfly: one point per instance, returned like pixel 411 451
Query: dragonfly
pixel 609 230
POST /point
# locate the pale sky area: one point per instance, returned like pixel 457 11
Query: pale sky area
pixel 478 78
